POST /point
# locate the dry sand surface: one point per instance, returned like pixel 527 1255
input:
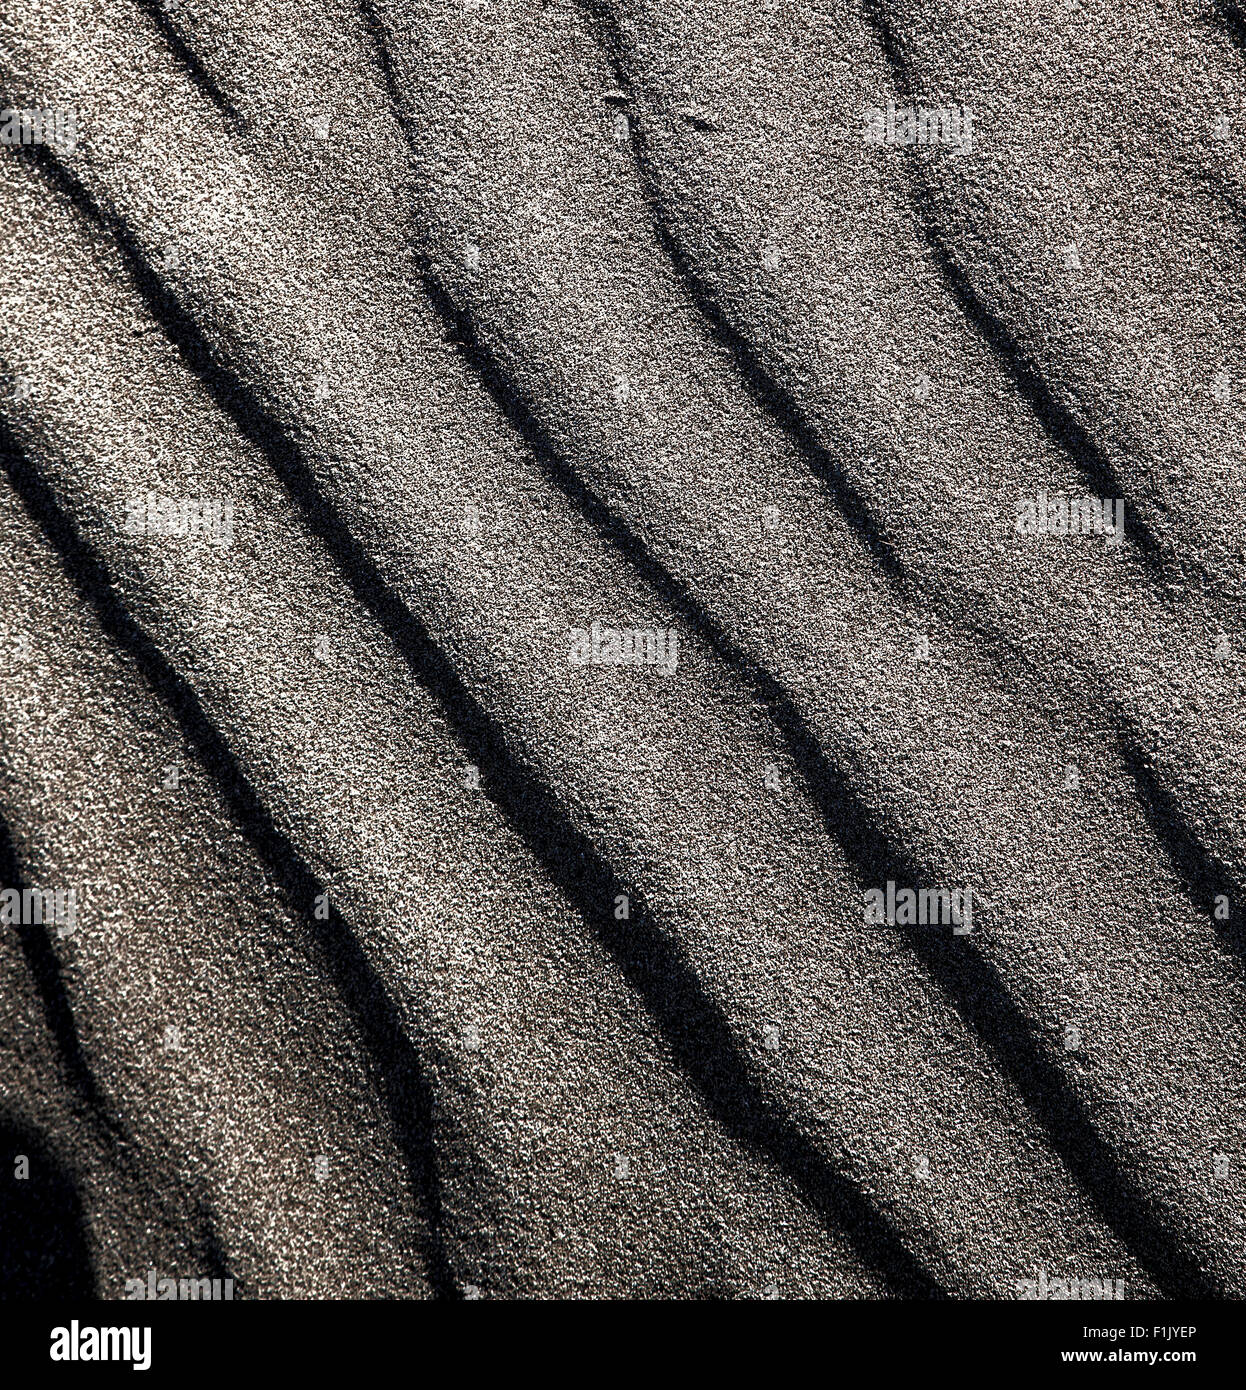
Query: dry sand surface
pixel 426 938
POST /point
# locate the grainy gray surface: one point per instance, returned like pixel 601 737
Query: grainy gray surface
pixel 494 320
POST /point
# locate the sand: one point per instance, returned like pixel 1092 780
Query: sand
pixel 598 461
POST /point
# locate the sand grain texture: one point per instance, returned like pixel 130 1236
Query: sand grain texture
pixel 496 320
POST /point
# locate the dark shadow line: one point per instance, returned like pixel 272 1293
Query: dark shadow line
pixel 1203 874
pixel 1058 422
pixel 774 398
pixel 694 1026
pixel 1176 1271
pixel 45 1252
pixel 189 61
pixel 1197 867
pixel 395 1066
pixel 975 988
pixel 970 983
pixel 45 970
pixel 1233 21
pixel 215 1261
pixel 1232 18
pixel 764 388
pixel 1056 419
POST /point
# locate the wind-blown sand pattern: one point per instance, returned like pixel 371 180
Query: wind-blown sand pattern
pixel 421 947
